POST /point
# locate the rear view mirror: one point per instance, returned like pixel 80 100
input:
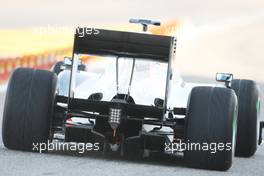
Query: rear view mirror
pixel 224 77
pixel 67 61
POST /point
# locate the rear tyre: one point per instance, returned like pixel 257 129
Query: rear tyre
pixel 210 128
pixel 248 111
pixel 28 108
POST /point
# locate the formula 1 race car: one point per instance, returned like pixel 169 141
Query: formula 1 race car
pixel 159 113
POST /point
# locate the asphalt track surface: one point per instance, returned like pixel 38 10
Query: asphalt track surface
pixel 70 163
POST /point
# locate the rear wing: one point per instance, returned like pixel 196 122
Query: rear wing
pixel 123 44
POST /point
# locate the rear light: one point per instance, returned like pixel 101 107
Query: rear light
pixel 114 117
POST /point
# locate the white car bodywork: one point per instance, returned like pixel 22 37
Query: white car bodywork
pixel 148 83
